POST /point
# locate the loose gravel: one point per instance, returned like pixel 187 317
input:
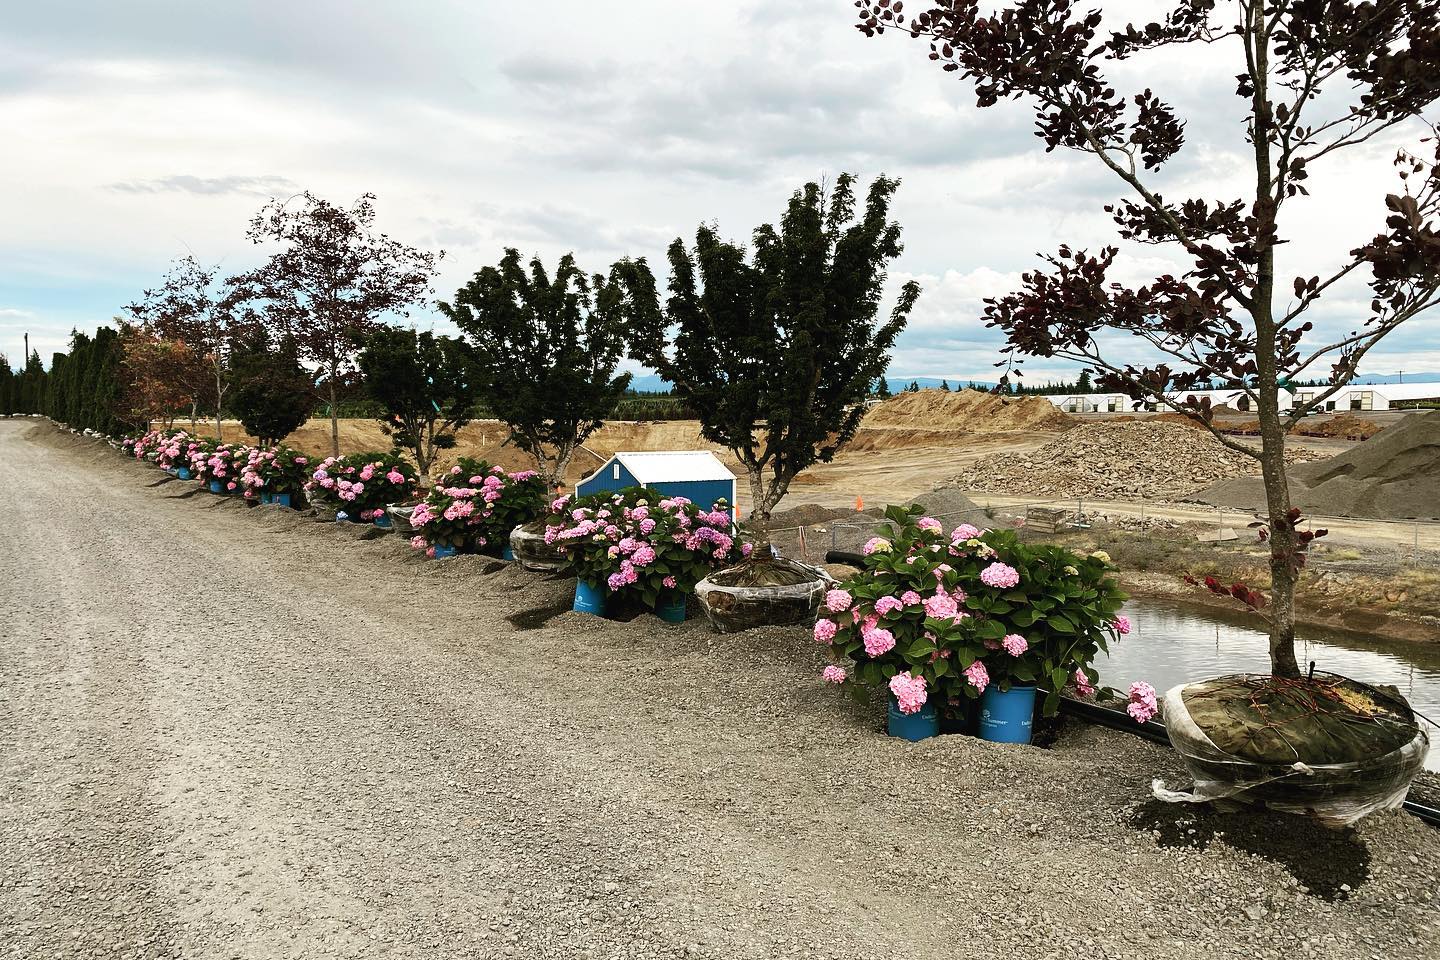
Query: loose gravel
pixel 231 732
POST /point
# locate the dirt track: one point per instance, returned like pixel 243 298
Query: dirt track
pixel 232 733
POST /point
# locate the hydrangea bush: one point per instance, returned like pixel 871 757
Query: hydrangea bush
pixel 362 484
pixel 475 505
pixel 225 462
pixel 937 615
pixel 173 449
pixel 640 545
pixel 277 470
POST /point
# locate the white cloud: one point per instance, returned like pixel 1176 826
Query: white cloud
pixel 144 131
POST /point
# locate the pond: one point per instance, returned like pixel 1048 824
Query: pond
pixel 1175 642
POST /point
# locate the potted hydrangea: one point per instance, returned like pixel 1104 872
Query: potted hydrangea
pixel 632 546
pixel 172 453
pixel 213 465
pixel 473 507
pixel 276 475
pixel 938 619
pixel 359 486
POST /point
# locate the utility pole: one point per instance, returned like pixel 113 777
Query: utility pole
pixel 25 360
pixel 1401 375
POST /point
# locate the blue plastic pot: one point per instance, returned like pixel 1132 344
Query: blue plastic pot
pixel 183 473
pixel 383 520
pixel 506 553
pixel 1007 716
pixel 442 551
pixel 921 725
pixel 671 607
pixel 283 499
pixel 217 486
pixel 589 599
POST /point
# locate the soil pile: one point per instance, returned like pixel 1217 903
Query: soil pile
pixel 974 411
pixel 1392 476
pixel 1345 426
pixel 1109 460
pixel 951 506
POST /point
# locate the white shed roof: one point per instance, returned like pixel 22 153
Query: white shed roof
pixel 672 466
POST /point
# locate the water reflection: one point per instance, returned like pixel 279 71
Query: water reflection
pixel 1173 643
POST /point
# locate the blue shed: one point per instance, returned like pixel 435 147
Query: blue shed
pixel 697 475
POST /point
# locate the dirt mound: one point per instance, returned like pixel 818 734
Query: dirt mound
pixel 807 514
pixel 873 439
pixel 974 411
pixel 949 505
pixel 1393 475
pixel 1345 426
pixel 1109 460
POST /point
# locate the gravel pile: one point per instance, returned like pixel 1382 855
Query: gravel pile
pixel 344 750
pixel 1116 461
pixel 1394 475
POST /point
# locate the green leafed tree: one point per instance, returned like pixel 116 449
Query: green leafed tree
pixel 273 393
pixel 549 348
pixel 427 387
pixel 775 348
pixel 882 388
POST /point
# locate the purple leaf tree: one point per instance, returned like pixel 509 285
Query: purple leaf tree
pixel 1316 78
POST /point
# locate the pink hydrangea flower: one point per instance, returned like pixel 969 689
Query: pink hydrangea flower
pixel 1015 644
pixel 395 476
pixel 669 583
pixel 878 641
pixel 909 692
pixel 888 604
pixel 942 606
pixel 1000 575
pixel 978 676
pixel 964 532
pixel 838 600
pixel 1143 704
pixel 1083 684
pixel 930 524
pixel 877 545
pixel 833 674
pixel 910 598
pixel 825 631
pixel 1122 625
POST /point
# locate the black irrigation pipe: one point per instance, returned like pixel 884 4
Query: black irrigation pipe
pixel 1154 731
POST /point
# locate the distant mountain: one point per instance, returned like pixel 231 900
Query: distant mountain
pixel 650 383
pixel 653 384
pixel 1397 378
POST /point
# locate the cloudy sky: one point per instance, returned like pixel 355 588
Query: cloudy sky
pixel 140 132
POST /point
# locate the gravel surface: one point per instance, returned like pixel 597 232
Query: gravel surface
pixel 241 733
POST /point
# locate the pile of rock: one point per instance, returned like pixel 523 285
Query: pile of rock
pixel 1137 460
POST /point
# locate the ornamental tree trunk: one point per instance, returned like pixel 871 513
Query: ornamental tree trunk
pixel 334 415
pixel 1272 432
pixel 218 398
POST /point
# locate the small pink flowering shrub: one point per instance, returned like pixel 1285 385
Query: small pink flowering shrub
pixel 943 616
pixel 223 462
pixel 640 544
pixel 474 506
pixel 150 445
pixel 173 450
pixel 362 484
pixel 277 470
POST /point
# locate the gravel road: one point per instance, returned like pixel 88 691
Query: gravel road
pixel 240 733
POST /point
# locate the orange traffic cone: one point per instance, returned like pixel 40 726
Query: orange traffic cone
pixel 859 504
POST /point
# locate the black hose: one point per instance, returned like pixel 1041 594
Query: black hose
pixel 845 557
